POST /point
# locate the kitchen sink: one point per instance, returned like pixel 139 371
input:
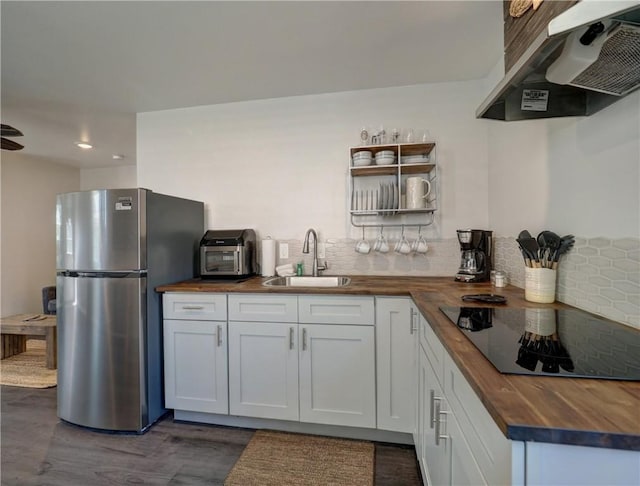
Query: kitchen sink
pixel 307 282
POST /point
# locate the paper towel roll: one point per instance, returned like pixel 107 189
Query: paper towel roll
pixel 268 261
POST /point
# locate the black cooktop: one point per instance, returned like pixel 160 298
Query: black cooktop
pixel 550 342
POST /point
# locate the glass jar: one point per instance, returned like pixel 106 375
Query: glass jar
pixel 500 278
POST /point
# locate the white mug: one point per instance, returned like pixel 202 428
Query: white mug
pixel 381 244
pixel 363 247
pixel 420 245
pixel 417 191
pixel 403 246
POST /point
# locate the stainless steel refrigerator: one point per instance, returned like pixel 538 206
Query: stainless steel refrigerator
pixel 113 248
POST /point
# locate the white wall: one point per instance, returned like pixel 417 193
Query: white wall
pixel 28 200
pixel 569 175
pixel 120 177
pixel 280 165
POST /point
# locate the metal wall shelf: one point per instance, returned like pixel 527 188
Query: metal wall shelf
pixel 369 208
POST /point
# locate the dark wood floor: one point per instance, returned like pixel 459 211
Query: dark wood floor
pixel 37 449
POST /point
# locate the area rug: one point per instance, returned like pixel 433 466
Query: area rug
pixel 28 369
pixel 278 458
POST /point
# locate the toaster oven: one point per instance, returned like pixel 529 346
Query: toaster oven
pixel 228 253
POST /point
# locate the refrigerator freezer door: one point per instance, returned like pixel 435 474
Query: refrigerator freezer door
pixel 100 357
pixel 101 230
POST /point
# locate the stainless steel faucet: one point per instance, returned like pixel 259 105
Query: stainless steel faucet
pixel 305 249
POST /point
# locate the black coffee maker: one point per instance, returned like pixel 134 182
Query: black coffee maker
pixel 476 248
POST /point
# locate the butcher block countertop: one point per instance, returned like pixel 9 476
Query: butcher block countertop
pixel 577 411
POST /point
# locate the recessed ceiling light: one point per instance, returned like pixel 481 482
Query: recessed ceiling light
pixel 117 156
pixel 84 145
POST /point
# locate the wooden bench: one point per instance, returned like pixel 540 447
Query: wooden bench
pixel 16 329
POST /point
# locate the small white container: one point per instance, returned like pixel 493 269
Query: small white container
pixel 540 285
pixel 500 279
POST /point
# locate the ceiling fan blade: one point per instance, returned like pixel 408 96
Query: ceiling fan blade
pixel 7 144
pixel 9 131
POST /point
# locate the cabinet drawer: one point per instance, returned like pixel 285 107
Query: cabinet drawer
pixel 317 309
pixel 263 308
pixel 195 306
pixel 433 348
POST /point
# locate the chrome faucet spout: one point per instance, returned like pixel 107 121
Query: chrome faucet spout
pixel 305 249
pixel 305 245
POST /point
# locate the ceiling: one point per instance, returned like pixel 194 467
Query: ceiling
pixel 81 70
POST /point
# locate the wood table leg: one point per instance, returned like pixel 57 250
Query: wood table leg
pixel 51 338
pixel 13 344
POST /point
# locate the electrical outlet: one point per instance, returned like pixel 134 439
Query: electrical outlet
pixel 284 250
pixel 321 252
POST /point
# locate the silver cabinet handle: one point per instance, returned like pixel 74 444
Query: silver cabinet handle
pixel 304 338
pixel 412 327
pixel 219 335
pixel 438 436
pixel 192 307
pixel 432 414
pixel 291 338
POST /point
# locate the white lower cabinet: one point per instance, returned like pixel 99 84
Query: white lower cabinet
pixel 263 370
pixel 455 436
pixel 341 360
pixel 312 371
pixel 195 352
pixel 447 455
pixel 396 337
pixel 337 375
pixel 195 365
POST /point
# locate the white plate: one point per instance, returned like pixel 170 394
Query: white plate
pixel 385 204
pixel 415 159
pixel 395 197
pixel 380 197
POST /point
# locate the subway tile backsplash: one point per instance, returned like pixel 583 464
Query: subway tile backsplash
pixel 441 259
pixel 599 275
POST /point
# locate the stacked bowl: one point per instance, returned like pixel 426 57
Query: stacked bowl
pixel 385 157
pixel 361 158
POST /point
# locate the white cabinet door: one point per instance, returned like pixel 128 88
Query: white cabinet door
pixel 436 450
pixel 195 366
pixel 492 451
pixel 263 370
pixel 465 470
pixel 422 416
pixel 337 375
pixel 396 329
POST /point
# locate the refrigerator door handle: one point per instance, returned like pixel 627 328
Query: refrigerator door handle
pixel 112 274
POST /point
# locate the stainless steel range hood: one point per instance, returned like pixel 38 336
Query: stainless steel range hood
pixel 592 54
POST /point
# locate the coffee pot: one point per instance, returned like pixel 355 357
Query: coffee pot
pixel 476 254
